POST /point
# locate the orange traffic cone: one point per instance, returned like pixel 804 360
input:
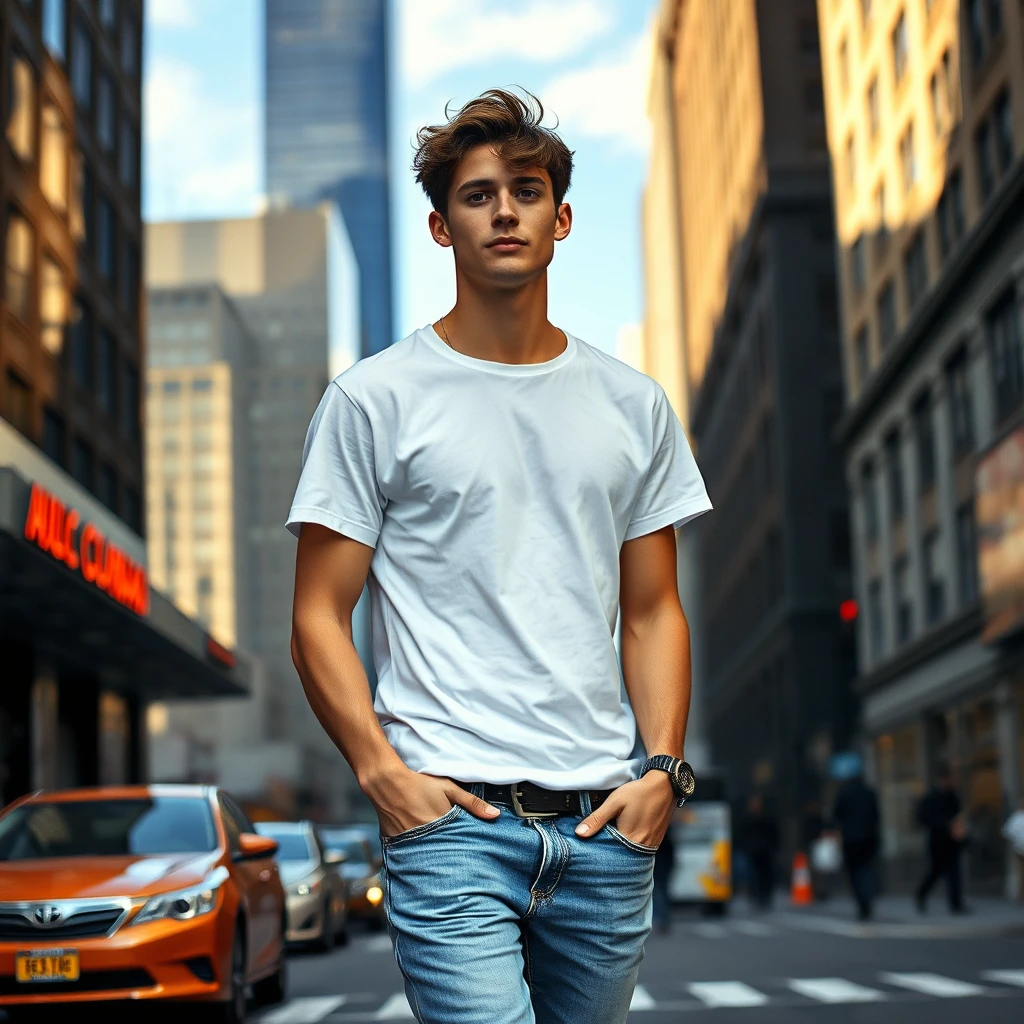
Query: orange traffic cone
pixel 801 894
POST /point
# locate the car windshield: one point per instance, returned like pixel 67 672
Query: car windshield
pixel 291 845
pixel 96 828
pixel 354 850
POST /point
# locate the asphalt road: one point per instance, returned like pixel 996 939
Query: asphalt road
pixel 755 969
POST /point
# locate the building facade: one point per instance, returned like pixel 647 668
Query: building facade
pixel 327 131
pixel 87 643
pixel 757 303
pixel 925 107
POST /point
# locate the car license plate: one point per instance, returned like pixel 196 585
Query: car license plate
pixel 46 965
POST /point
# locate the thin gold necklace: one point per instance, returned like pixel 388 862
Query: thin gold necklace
pixel 444 331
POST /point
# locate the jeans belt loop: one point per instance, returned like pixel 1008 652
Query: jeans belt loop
pixel 585 809
pixel 518 807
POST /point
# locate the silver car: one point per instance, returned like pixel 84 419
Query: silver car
pixel 316 893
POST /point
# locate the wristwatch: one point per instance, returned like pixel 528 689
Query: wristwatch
pixel 678 771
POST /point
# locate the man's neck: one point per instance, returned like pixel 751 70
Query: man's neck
pixel 503 325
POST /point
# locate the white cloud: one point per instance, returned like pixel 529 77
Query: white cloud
pixel 171 13
pixel 439 36
pixel 608 98
pixel 200 154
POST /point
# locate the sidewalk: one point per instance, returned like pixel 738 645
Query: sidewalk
pixel 896 917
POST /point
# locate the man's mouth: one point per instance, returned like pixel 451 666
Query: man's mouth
pixel 506 243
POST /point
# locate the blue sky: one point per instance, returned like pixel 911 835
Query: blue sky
pixel 586 59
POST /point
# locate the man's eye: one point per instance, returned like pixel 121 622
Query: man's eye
pixel 528 193
pixel 477 197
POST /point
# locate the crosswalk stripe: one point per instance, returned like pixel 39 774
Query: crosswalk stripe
pixel 933 984
pixel 757 929
pixel 834 990
pixel 1006 977
pixel 306 1010
pixel 710 930
pixel 642 999
pixel 396 1008
pixel 378 944
pixel 727 993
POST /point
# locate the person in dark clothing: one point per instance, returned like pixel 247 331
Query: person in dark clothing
pixel 760 842
pixel 856 815
pixel 664 860
pixel 939 813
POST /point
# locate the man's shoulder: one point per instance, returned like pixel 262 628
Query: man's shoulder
pixel 367 376
pixel 624 379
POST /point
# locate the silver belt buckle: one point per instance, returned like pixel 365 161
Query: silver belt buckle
pixel 518 807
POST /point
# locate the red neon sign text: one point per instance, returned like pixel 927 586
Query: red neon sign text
pixel 51 526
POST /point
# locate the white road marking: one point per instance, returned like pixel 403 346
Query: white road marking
pixel 396 1008
pixel 307 1010
pixel 1006 977
pixel 933 984
pixel 378 944
pixel 834 990
pixel 710 930
pixel 727 993
pixel 757 929
pixel 642 1000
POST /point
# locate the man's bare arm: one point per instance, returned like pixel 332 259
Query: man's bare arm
pixel 656 669
pixel 330 572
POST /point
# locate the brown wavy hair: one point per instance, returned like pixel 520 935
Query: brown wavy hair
pixel 509 122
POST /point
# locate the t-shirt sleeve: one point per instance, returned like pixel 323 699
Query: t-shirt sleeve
pixel 673 492
pixel 338 486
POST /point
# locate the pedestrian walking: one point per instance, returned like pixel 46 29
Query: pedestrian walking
pixel 856 816
pixel 939 813
pixel 664 863
pixel 506 489
pixel 1013 833
pixel 759 838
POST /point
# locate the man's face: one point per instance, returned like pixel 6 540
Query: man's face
pixel 502 221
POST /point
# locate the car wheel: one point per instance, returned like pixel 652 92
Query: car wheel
pixel 274 989
pixel 232 1011
pixel 326 940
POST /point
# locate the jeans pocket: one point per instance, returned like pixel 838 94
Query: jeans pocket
pixel 648 851
pixel 423 830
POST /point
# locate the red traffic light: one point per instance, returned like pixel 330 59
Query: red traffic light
pixel 848 610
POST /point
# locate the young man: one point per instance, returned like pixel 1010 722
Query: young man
pixel 507 488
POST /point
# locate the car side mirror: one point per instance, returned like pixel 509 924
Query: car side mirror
pixel 255 847
pixel 334 857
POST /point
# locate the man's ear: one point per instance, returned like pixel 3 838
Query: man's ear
pixel 563 222
pixel 439 229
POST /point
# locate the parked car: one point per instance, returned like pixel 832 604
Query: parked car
pixel 362 869
pixel 316 892
pixel 138 892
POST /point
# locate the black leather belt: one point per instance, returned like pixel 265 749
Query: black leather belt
pixel 532 801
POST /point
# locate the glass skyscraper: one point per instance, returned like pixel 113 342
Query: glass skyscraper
pixel 326 131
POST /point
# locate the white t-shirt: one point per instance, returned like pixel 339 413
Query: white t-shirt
pixel 497 498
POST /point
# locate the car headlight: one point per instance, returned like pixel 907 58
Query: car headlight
pixel 184 904
pixel 304 886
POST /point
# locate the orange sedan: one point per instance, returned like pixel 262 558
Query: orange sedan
pixel 138 892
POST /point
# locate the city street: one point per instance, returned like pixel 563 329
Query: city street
pixel 766 969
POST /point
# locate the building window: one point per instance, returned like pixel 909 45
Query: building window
pixel 81 65
pixel 870 497
pixel 1003 119
pixel 53 305
pixel 106 111
pixel 966 553
pixel 924 436
pixel 106 389
pixel 53 436
pixel 976 30
pixel 874 115
pixel 901 595
pixel 961 405
pixel 851 162
pixel 106 239
pixel 858 264
pixel 130 46
pixel 908 159
pixel 133 509
pixel 1004 340
pixel 17 405
pixel 107 490
pixel 21 244
pixel 894 471
pixel 882 226
pixel 53 158
pixel 82 346
pixel 887 315
pixel 128 154
pixel 915 266
pixel 876 634
pixel 54 17
pixel 83 466
pixel 900 50
pixel 108 15
pixel 844 66
pixel 862 355
pixel 934 587
pixel 130 402
pixel 21 114
pixel 986 164
pixel 130 279
pixel 865 12
pixel 950 213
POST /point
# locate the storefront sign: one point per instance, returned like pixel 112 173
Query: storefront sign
pixel 83 548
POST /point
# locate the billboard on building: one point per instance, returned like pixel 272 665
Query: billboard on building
pixel 999 486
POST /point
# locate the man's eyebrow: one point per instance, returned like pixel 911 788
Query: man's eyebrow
pixel 522 179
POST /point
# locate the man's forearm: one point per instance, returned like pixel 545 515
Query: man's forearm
pixel 656 668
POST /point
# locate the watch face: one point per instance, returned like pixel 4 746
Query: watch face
pixel 684 779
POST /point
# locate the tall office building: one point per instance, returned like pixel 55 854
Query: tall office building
pixel 925 105
pixel 86 642
pixel 741 104
pixel 327 131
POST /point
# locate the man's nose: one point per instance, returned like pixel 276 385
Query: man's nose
pixel 506 211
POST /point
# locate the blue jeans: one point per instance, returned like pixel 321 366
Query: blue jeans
pixel 517 920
